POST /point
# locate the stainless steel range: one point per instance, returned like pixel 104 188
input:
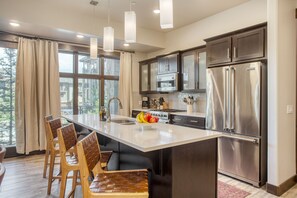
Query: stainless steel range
pixel 163 114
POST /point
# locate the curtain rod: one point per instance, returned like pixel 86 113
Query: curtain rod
pixel 58 41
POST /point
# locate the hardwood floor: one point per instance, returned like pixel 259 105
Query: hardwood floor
pixel 23 178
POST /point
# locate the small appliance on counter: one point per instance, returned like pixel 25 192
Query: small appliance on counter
pixel 145 102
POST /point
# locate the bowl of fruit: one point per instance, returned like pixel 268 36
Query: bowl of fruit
pixel 146 120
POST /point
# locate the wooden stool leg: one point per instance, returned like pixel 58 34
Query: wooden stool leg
pixel 63 183
pixel 74 182
pixel 51 173
pixel 45 162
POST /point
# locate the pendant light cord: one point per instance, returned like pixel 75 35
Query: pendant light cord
pixel 130 5
pixel 108 17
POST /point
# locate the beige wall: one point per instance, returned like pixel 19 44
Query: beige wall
pixel 281 90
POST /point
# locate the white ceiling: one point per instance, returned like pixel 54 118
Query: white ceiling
pixel 185 11
pixel 63 19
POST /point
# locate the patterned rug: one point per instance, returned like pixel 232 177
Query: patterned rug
pixel 228 191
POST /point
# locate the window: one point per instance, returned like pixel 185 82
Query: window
pixel 86 84
pixel 8 56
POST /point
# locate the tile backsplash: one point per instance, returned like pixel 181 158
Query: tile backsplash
pixel 175 100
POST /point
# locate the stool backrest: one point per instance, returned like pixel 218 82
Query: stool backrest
pixel 67 137
pixel 53 126
pixel 46 119
pixel 88 151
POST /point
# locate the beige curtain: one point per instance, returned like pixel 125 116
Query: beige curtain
pixel 37 92
pixel 125 83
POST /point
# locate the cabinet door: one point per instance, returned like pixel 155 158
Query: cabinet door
pixel 201 70
pixel 163 66
pixel 219 51
pixel 173 63
pixel 153 76
pixel 188 69
pixel 144 78
pixel 249 45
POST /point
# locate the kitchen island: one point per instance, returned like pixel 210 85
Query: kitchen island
pixel 182 161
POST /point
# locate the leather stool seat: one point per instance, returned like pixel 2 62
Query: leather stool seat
pixel 122 182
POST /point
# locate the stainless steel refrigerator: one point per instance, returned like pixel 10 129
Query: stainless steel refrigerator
pixel 236 105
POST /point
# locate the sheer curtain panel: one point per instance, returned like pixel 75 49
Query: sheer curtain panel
pixel 125 83
pixel 37 92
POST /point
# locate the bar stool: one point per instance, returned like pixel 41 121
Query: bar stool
pixel 47 151
pixel 52 127
pixel 2 153
pixel 67 141
pixel 130 183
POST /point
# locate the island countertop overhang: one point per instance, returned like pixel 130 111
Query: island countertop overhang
pixel 161 136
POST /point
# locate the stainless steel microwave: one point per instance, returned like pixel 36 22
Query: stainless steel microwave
pixel 167 82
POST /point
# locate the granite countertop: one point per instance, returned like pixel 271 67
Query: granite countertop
pixel 161 135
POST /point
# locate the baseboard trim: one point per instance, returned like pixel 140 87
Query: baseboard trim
pixel 282 188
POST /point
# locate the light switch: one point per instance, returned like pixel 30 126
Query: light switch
pixel 289 109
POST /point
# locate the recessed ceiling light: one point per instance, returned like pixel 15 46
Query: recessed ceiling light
pixel 156 11
pixel 126 44
pixel 14 24
pixel 79 36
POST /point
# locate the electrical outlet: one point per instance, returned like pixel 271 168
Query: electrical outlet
pixel 289 109
pixel 139 102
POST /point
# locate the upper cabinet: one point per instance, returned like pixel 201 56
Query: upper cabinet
pixel 194 70
pixel 240 46
pixel 169 63
pixel 148 71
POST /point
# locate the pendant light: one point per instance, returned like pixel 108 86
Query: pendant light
pixel 130 26
pixel 93 48
pixel 93 40
pixel 166 14
pixel 108 35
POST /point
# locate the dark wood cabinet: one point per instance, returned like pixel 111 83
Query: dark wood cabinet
pixel 219 51
pixel 148 71
pixel 194 70
pixel 188 121
pixel 236 47
pixel 135 113
pixel 248 45
pixel 169 63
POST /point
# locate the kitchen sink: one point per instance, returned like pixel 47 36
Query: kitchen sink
pixel 123 121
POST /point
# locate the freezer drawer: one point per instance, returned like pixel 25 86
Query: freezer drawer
pixel 240 158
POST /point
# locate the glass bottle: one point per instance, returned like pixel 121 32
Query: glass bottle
pixel 102 113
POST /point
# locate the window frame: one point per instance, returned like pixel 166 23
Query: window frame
pixel 76 76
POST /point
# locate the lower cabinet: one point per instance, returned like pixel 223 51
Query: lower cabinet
pixel 135 113
pixel 188 121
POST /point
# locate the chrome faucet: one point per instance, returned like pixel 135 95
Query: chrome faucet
pixel 108 119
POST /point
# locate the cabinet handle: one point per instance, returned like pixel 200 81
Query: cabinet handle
pixel 234 52
pixel 176 119
pixel 194 121
pixel 228 52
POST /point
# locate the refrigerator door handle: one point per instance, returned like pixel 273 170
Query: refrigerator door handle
pixel 246 139
pixel 232 99
pixel 226 99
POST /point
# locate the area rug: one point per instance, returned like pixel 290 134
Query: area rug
pixel 228 191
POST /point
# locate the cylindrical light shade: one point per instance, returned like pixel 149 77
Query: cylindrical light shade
pixel 93 48
pixel 130 27
pixel 166 14
pixel 108 39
